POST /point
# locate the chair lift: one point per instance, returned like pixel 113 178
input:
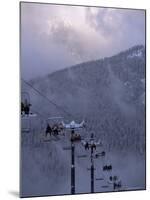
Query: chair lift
pixel 117 185
pixel 26 114
pixel 25 105
pixel 54 127
pixel 107 167
pixel 115 181
pixel 76 137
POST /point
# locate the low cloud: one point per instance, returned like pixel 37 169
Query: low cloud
pixel 54 36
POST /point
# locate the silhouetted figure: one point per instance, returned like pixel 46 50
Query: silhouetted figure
pixel 48 130
pixel 27 107
pixel 117 185
pixel 107 168
pixel 55 130
pixel 22 108
pixel 76 137
pixel 60 127
pixel 86 146
pixel 92 135
pixel 113 178
pixel 103 153
pixel 97 155
pixel 94 146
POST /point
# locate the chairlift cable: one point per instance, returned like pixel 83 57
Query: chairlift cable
pixel 50 101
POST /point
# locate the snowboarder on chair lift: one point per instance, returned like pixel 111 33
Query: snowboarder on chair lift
pixel 48 130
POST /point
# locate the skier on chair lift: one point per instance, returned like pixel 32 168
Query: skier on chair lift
pixel 48 130
pixel 107 167
pixel 22 108
pixel 94 146
pixel 55 129
pixel 27 107
pixel 117 185
pixel 86 146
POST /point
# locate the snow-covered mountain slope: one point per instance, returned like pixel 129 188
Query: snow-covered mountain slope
pixel 109 95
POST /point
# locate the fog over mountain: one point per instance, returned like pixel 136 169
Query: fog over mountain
pixel 109 94
pixel 57 36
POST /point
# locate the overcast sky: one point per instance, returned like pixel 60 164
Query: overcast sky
pixel 57 36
